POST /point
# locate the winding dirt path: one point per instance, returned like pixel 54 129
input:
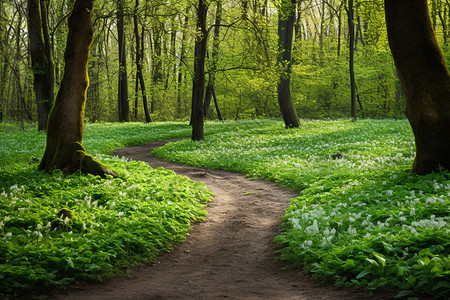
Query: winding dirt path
pixel 228 256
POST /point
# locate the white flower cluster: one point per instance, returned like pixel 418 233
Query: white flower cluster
pixel 322 224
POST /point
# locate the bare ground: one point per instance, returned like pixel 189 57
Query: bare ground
pixel 231 255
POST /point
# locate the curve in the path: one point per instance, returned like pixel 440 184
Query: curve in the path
pixel 228 256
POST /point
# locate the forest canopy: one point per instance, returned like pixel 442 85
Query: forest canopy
pixel 241 61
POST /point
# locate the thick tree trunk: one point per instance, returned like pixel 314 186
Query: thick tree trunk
pixel 41 60
pixel 198 89
pixel 286 18
pixel 65 124
pixel 425 81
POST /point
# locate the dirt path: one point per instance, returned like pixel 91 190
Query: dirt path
pixel 228 256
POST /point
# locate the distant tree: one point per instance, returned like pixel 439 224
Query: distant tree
pixel 3 63
pixel 198 89
pixel 425 81
pixel 286 20
pixel 351 29
pixel 124 105
pixel 65 124
pixel 210 87
pixel 139 63
pixel 41 59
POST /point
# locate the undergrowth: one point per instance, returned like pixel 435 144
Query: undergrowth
pixel 361 218
pixel 57 230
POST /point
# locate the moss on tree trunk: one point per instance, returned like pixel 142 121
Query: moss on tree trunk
pixel 425 81
pixel 65 124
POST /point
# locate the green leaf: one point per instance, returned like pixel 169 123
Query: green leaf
pixel 70 262
pixel 380 258
pixel 363 273
pixel 372 262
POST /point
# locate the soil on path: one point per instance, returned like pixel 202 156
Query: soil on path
pixel 231 255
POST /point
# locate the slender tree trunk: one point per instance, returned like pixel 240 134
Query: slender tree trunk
pixel 442 18
pixel 124 106
pixel 157 62
pixel 351 28
pixel 286 18
pixel 3 65
pixel 216 104
pixel 210 88
pixel 41 60
pixel 198 89
pixel 180 64
pixel 65 124
pixel 425 81
pixel 139 74
pixel 339 15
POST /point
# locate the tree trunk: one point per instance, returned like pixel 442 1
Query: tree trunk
pixel 210 88
pixel 198 89
pixel 351 29
pixel 3 65
pixel 157 61
pixel 286 18
pixel 124 106
pixel 139 74
pixel 41 60
pixel 65 124
pixel 339 15
pixel 425 81
pixel 180 65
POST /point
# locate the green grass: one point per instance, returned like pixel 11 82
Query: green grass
pixel 362 220
pixel 115 222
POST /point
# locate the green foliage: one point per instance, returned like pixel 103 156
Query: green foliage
pixel 360 219
pixel 55 230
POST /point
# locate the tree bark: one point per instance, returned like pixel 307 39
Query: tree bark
pixel 41 60
pixel 157 67
pixel 425 81
pixel 210 88
pixel 139 74
pixel 124 105
pixel 351 29
pixel 286 18
pixel 181 66
pixel 65 124
pixel 198 89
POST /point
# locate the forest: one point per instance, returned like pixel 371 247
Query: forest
pixel 344 103
pixel 241 61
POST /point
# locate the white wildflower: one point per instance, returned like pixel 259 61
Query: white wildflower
pixel 351 231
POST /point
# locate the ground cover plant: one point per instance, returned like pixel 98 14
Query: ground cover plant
pixel 55 230
pixel 361 219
